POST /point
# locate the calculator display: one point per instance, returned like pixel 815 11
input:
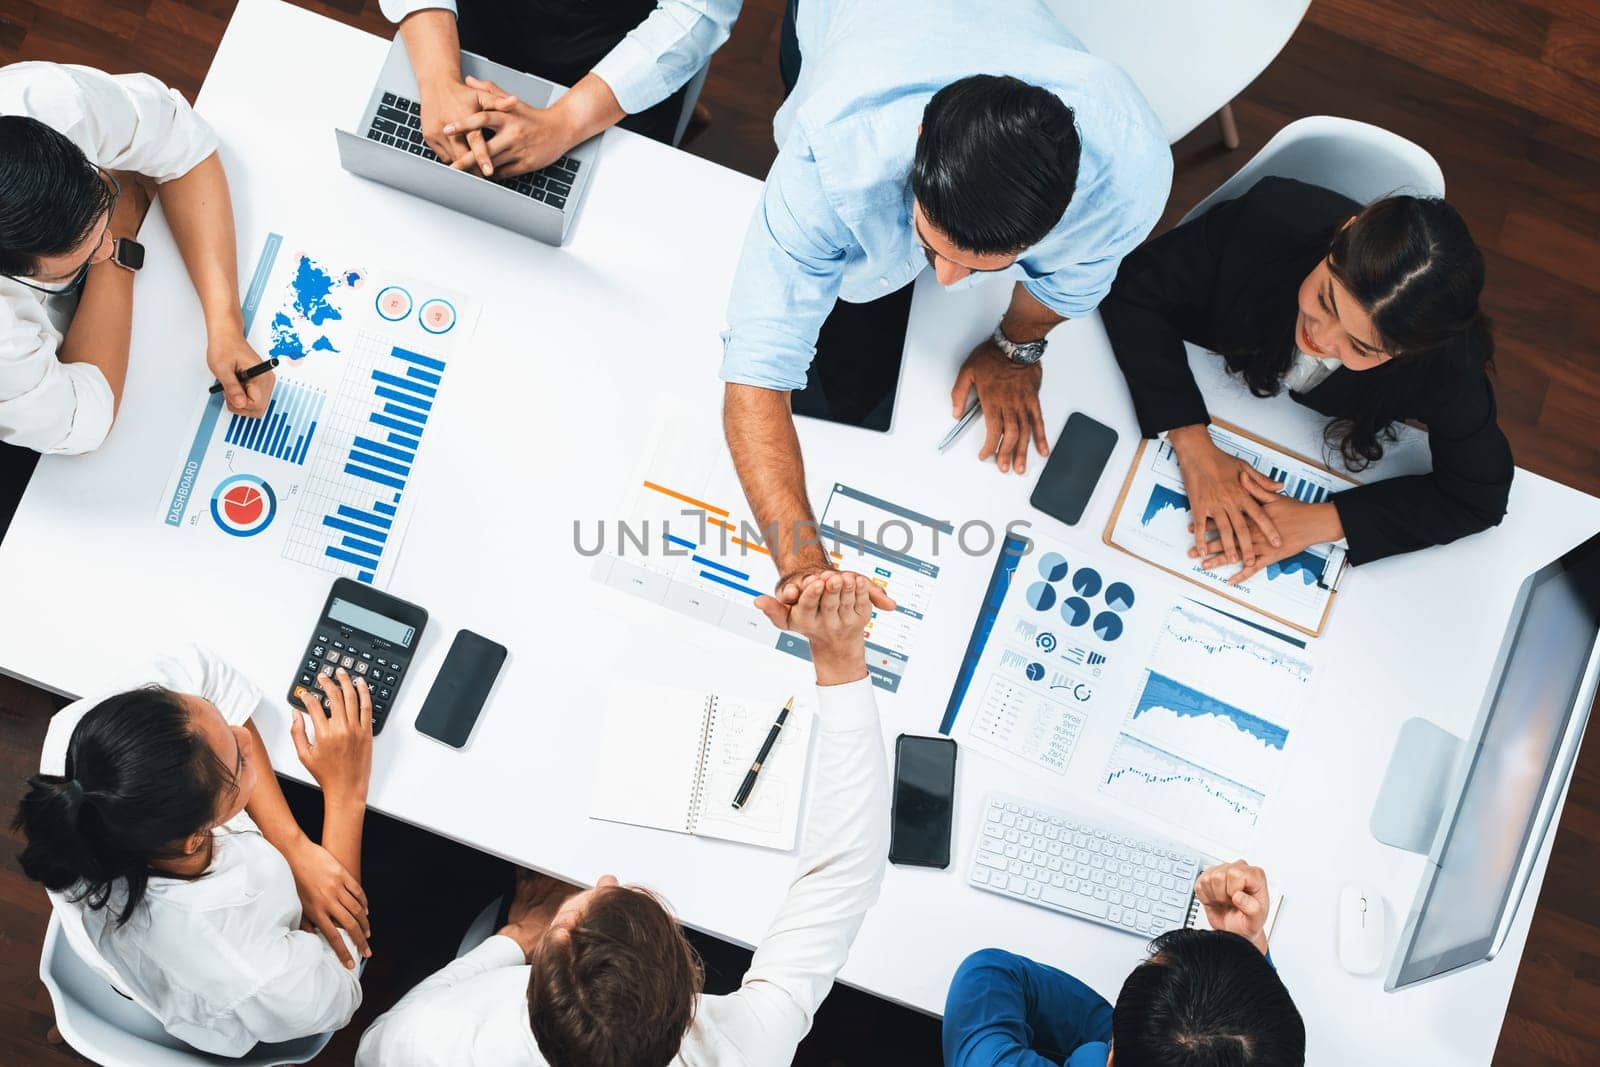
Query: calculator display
pixel 370 621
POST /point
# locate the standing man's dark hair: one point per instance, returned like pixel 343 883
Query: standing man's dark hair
pixel 996 163
pixel 51 196
pixel 1206 998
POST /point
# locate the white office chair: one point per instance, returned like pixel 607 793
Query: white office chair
pixel 1363 162
pixel 1190 58
pixel 108 1028
pixel 482 927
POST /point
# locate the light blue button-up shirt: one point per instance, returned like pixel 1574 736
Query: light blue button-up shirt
pixel 835 215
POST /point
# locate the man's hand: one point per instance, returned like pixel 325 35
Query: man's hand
pixel 534 904
pixel 1009 394
pixel 778 608
pixel 229 355
pixel 832 614
pixel 330 899
pixel 1215 484
pixel 1235 898
pixel 448 102
pixel 341 757
pixel 1299 526
pixel 521 138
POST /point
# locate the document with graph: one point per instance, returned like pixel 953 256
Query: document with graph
pixel 324 476
pixel 1209 718
pixel 1151 521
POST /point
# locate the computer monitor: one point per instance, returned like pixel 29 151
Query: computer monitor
pixel 1504 795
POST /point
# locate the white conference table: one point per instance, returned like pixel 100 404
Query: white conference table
pixel 545 421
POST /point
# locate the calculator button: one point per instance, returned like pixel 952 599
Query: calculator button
pixel 338 644
pixel 361 667
pixel 347 662
pixel 384 694
pixel 327 670
pixel 318 650
pixel 388 679
pixel 331 656
pixel 367 656
pixel 382 662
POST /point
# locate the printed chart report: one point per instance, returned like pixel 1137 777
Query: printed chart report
pixel 1152 523
pixel 687 543
pixel 324 476
pixel 1202 744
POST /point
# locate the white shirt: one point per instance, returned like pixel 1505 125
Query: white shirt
pixel 1306 371
pixel 657 56
pixel 221 960
pixel 474 1012
pixel 121 122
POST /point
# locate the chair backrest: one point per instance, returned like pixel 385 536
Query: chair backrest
pixel 1361 161
pixel 1188 58
pixel 110 1029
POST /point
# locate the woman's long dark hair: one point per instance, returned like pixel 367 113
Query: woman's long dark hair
pixel 1412 265
pixel 139 781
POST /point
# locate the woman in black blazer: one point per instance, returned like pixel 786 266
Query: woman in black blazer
pixel 1368 315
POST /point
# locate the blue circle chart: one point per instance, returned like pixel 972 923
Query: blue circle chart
pixel 243 505
pixel 1034 671
pixel 393 303
pixel 437 316
pixel 1047 641
pixel 1052 566
pixel 1119 596
pixel 1075 611
pixel 1041 596
pixel 1086 581
pixel 1108 626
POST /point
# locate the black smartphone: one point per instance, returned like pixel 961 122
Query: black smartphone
pixel 458 694
pixel 924 799
pixel 1073 469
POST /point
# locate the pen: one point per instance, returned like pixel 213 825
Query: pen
pixel 956 430
pixel 254 372
pixel 749 782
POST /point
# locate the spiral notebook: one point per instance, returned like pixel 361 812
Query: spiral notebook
pixel 672 759
pixel 1198 920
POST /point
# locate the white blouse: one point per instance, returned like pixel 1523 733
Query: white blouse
pixel 221 961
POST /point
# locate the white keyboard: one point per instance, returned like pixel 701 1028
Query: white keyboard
pixel 1141 885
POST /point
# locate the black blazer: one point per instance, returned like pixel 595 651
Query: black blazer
pixel 1228 281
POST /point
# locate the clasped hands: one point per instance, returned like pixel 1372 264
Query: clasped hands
pixel 478 125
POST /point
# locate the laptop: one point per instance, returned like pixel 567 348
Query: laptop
pixel 387 147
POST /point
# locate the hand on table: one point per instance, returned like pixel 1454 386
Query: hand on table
pixel 520 138
pixel 1009 393
pixel 228 355
pixel 1235 898
pixel 340 758
pixel 1218 487
pixel 1299 526
pixel 534 904
pixel 447 102
pixel 330 899
pixel 832 614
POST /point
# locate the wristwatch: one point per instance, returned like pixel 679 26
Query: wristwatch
pixel 1024 355
pixel 127 253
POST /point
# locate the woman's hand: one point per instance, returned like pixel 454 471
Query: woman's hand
pixel 832 613
pixel 340 758
pixel 1300 525
pixel 1219 490
pixel 330 899
pixel 520 138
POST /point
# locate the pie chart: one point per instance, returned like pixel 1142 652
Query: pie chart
pixel 394 303
pixel 1034 671
pixel 243 505
pixel 1119 596
pixel 1086 582
pixel 1041 596
pixel 1108 626
pixel 1052 566
pixel 1075 611
pixel 437 316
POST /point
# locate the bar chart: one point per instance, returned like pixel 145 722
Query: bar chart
pixel 286 429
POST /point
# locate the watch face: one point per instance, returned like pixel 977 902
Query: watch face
pixel 1031 352
pixel 129 253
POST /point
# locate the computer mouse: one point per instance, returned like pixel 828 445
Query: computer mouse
pixel 1361 929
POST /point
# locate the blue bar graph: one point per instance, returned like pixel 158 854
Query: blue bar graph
pixel 285 430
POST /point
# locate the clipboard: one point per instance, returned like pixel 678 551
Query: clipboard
pixel 1333 573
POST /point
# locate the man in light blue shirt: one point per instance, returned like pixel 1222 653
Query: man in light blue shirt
pixel 975 138
pixel 627 62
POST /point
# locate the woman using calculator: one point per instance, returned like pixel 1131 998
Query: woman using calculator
pixel 1367 315
pixel 176 869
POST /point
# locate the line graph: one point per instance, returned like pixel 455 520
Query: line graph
pixel 1163 498
pixel 1177 791
pixel 1308 565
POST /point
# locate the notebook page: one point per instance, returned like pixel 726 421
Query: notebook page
pixel 1198 919
pixel 644 771
pixel 771 817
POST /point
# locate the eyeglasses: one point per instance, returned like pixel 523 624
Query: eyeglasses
pixel 79 276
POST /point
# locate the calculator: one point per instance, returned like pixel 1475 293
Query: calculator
pixel 370 634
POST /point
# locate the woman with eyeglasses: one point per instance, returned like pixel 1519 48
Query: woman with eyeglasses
pixel 1368 315
pixel 175 867
pixel 81 154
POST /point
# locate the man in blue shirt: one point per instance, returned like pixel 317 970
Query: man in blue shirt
pixel 1203 998
pixel 941 133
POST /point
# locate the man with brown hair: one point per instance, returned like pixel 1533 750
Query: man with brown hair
pixel 603 977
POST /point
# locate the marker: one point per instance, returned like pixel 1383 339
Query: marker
pixel 254 372
pixel 749 782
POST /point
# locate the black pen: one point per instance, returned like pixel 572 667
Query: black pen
pixel 254 372
pixel 749 782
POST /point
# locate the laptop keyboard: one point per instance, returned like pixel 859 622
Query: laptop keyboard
pixel 398 124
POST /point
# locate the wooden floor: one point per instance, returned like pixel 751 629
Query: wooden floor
pixel 1504 93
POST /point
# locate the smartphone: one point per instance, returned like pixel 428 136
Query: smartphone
pixel 923 802
pixel 1073 469
pixel 453 704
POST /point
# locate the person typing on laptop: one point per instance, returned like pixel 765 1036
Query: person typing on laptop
pixel 627 62
pixel 1203 997
pixel 603 977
